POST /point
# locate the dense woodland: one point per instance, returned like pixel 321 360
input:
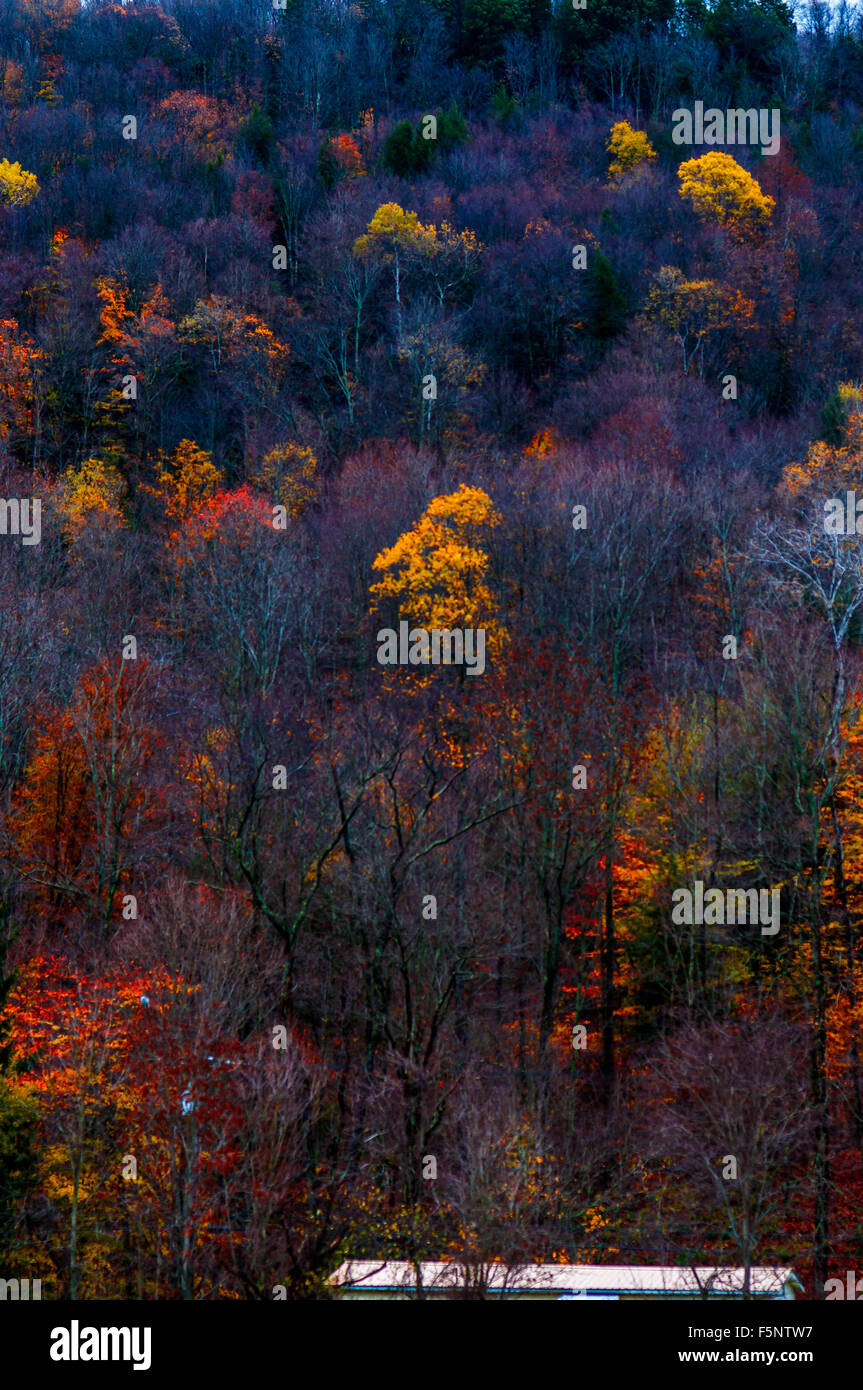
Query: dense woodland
pixel 304 957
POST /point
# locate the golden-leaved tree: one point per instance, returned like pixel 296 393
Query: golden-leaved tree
pixel 290 473
pixel 17 186
pixel 395 235
pixel 628 149
pixel 436 574
pixel 186 480
pixel 450 258
pixel 691 311
pixel 94 492
pixel 720 190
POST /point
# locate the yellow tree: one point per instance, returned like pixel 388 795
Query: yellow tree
pixel 628 148
pixel 186 480
pixel 94 492
pixel 691 310
pixel 17 186
pixel 395 235
pixel 437 573
pixel 289 472
pixel 720 190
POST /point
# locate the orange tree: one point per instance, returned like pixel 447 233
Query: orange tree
pixel 71 831
pixel 139 1112
pixel 18 364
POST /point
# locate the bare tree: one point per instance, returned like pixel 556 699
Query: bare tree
pixel 734 1119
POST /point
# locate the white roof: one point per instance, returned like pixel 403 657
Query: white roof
pixel 380 1275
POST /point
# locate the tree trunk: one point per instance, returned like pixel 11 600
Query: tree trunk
pixel 607 975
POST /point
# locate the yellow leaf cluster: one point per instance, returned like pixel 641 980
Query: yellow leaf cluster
pixel 701 305
pixel 436 573
pixel 391 229
pixel 628 148
pixel 94 492
pixel 187 479
pixel 290 472
pixel 17 186
pixel 229 333
pixel 690 310
pixel 720 190
pixel 446 238
pixel 829 469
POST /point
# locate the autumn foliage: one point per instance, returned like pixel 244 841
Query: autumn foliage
pixel 82 803
pixel 628 149
pixel 319 320
pixel 719 189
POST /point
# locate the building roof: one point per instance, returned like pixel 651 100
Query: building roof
pixel 396 1275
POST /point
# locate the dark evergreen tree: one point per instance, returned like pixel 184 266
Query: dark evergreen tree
pixel 606 304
